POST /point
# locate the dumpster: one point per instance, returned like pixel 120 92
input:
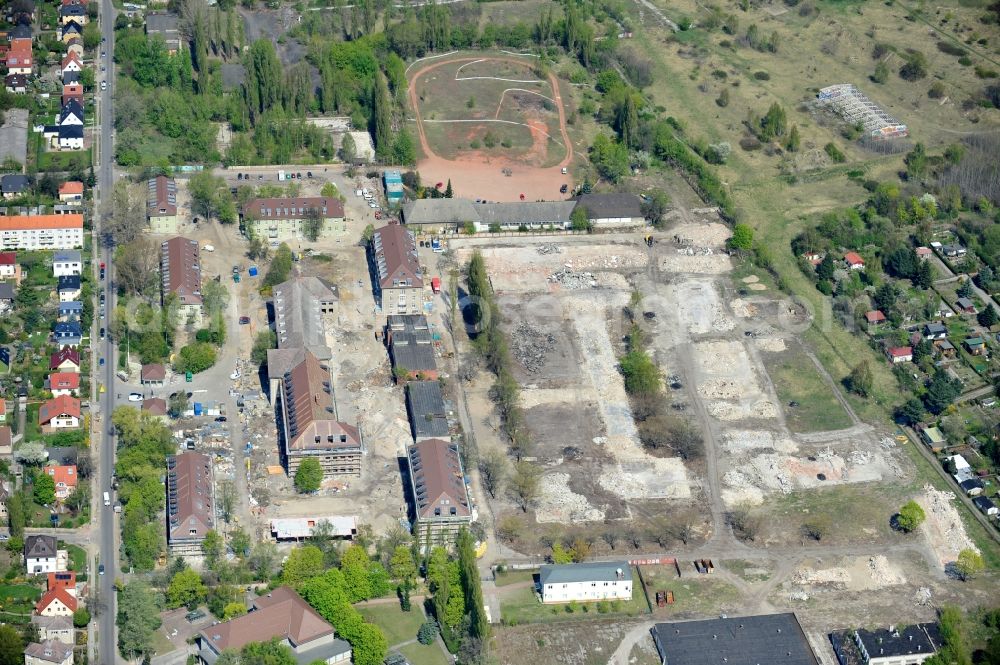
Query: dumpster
pixel 188 377
pixel 253 271
pixel 197 408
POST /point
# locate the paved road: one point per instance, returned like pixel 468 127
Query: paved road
pixel 104 444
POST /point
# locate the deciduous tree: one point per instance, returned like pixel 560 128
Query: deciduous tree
pixel 309 476
pixel 910 516
pixel 525 484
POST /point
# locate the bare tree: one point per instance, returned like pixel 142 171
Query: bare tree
pixel 494 469
pixel 525 484
pixel 127 212
pixel 136 265
pixel 633 537
pixel 227 499
pixel 745 526
pixel 611 536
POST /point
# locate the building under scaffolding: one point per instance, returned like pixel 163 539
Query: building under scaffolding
pixel 855 107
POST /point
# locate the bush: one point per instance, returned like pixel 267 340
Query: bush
pixel 762 76
pixel 910 516
pixel 965 61
pixel 915 67
pixel 984 73
pixel 196 357
pixel 750 143
pixel 834 153
pixel 951 49
pixel 427 633
pixel 936 90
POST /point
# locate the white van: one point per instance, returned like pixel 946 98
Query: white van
pixel 107 499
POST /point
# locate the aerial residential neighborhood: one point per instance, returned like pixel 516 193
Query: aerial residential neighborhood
pixel 492 333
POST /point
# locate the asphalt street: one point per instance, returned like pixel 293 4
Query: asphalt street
pixel 108 531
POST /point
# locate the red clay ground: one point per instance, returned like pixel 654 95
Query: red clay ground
pixel 477 175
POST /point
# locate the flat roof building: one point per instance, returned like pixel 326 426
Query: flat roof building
pixel 909 645
pixel 426 410
pixel 585 582
pixel 300 528
pixel 768 639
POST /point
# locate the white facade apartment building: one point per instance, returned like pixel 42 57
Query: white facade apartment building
pixel 31 232
pixel 585 582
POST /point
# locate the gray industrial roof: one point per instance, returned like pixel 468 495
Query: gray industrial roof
pixel 425 405
pixel 440 211
pixel 598 571
pixel 770 639
pixel 298 314
pixel 610 205
pixel 413 350
pixel 460 211
pixel 919 638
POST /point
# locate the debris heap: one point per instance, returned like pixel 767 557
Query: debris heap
pixel 530 346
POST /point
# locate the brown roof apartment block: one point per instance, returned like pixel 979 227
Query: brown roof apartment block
pixel 162 198
pixel 395 250
pixel 437 479
pixel 180 270
pixel 309 413
pixel 189 497
pixel 280 614
pixel 294 208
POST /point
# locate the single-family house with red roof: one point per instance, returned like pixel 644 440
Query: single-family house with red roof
pixel 65 478
pixel 59 413
pixel 899 354
pixel 72 91
pixel 9 268
pixel 924 253
pixel 56 602
pixel 875 317
pixel 71 192
pixel 854 261
pixel 65 360
pixel 64 383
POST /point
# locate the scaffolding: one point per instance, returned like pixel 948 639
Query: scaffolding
pixel 855 107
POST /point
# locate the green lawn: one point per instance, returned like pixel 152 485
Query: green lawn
pixel 514 576
pixel 78 558
pixel 17 601
pixel 419 654
pixel 522 606
pixel 32 432
pixel 161 644
pixel 398 626
pixel 796 379
pixel 64 161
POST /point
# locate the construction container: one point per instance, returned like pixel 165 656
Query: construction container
pixel 253 271
pixel 197 408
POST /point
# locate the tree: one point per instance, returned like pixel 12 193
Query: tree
pixel 312 224
pixel 281 266
pixel 213 548
pixel 654 206
pixel 273 652
pixel 81 618
pixel 186 589
pixel 881 74
pixel 773 124
pixel 302 564
pixel 227 500
pixel 941 392
pixel 448 191
pixel 742 238
pixel 794 140
pixel 309 476
pixel 915 67
pixel 916 162
pixel 525 484
pixel 479 627
pixel 354 565
pixel 177 404
pixel 910 412
pixel 382 116
pixel 45 489
pixel 493 470
pixel 195 357
pixel 969 563
pixel 427 633
pixel 11 646
pixel 910 516
pixel 138 618
pixel 641 375
pixel 402 565
pixel 348 149
pixel 861 380
pixel 239 542
pixel 127 212
pixel 233 610
pixel 988 317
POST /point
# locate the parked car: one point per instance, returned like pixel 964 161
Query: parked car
pixel 104 85
pixel 100 569
pixel 101 363
pixel 135 397
pixel 244 320
pixel 239 176
pixel 309 174
pixel 102 333
pixel 221 419
pixel 564 189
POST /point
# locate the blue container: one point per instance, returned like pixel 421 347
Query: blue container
pixel 197 408
pixel 253 271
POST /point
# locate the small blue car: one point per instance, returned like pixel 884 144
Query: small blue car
pixel 101 362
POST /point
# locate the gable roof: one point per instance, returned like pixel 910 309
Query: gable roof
pixel 153 372
pixel 425 405
pixel 282 614
pixel 605 206
pixel 309 410
pixel 395 250
pixel 67 256
pixel 7 291
pixel 293 208
pixel 180 269
pixel 69 282
pixel 63 355
pixel 64 381
pixel 52 595
pixel 875 316
pixel 156 406
pixel 71 186
pixel 983 503
pixel 8 258
pixel 52 651
pixel 71 57
pixel 189 496
pixel 437 480
pixel 53 624
pixel 58 406
pixel 39 547
pixel 298 314
pixel 14 183
pixel 161 197
pixel 900 351
pixel 71 106
pixel 853 258
pixel 595 571
pixel 40 222
pixel 62 474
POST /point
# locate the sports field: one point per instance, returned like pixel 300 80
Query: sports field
pixel 495 126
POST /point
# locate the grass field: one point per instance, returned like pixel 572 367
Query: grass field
pixel 161 644
pixel 522 606
pixel 694 594
pixel 17 602
pixel 420 654
pixel 398 626
pixel 514 576
pixel 796 379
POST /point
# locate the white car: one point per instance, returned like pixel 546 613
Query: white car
pixel 372 205
pixel 104 85
pixel 135 397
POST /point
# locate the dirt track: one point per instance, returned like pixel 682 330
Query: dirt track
pixel 480 176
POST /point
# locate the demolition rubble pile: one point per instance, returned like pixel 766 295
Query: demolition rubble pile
pixel 530 346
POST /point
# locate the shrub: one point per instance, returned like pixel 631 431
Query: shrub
pixel 750 143
pixel 951 49
pixel 427 633
pixel 719 74
pixel 915 67
pixel 985 73
pixel 475 144
pixel 936 90
pixel 910 516
pixel 965 61
pixel 835 153
pixel 762 76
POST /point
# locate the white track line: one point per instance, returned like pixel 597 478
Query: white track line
pixel 505 122
pixel 521 55
pixel 429 57
pixel 530 92
pixel 487 78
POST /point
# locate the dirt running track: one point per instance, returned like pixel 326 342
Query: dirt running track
pixel 480 176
